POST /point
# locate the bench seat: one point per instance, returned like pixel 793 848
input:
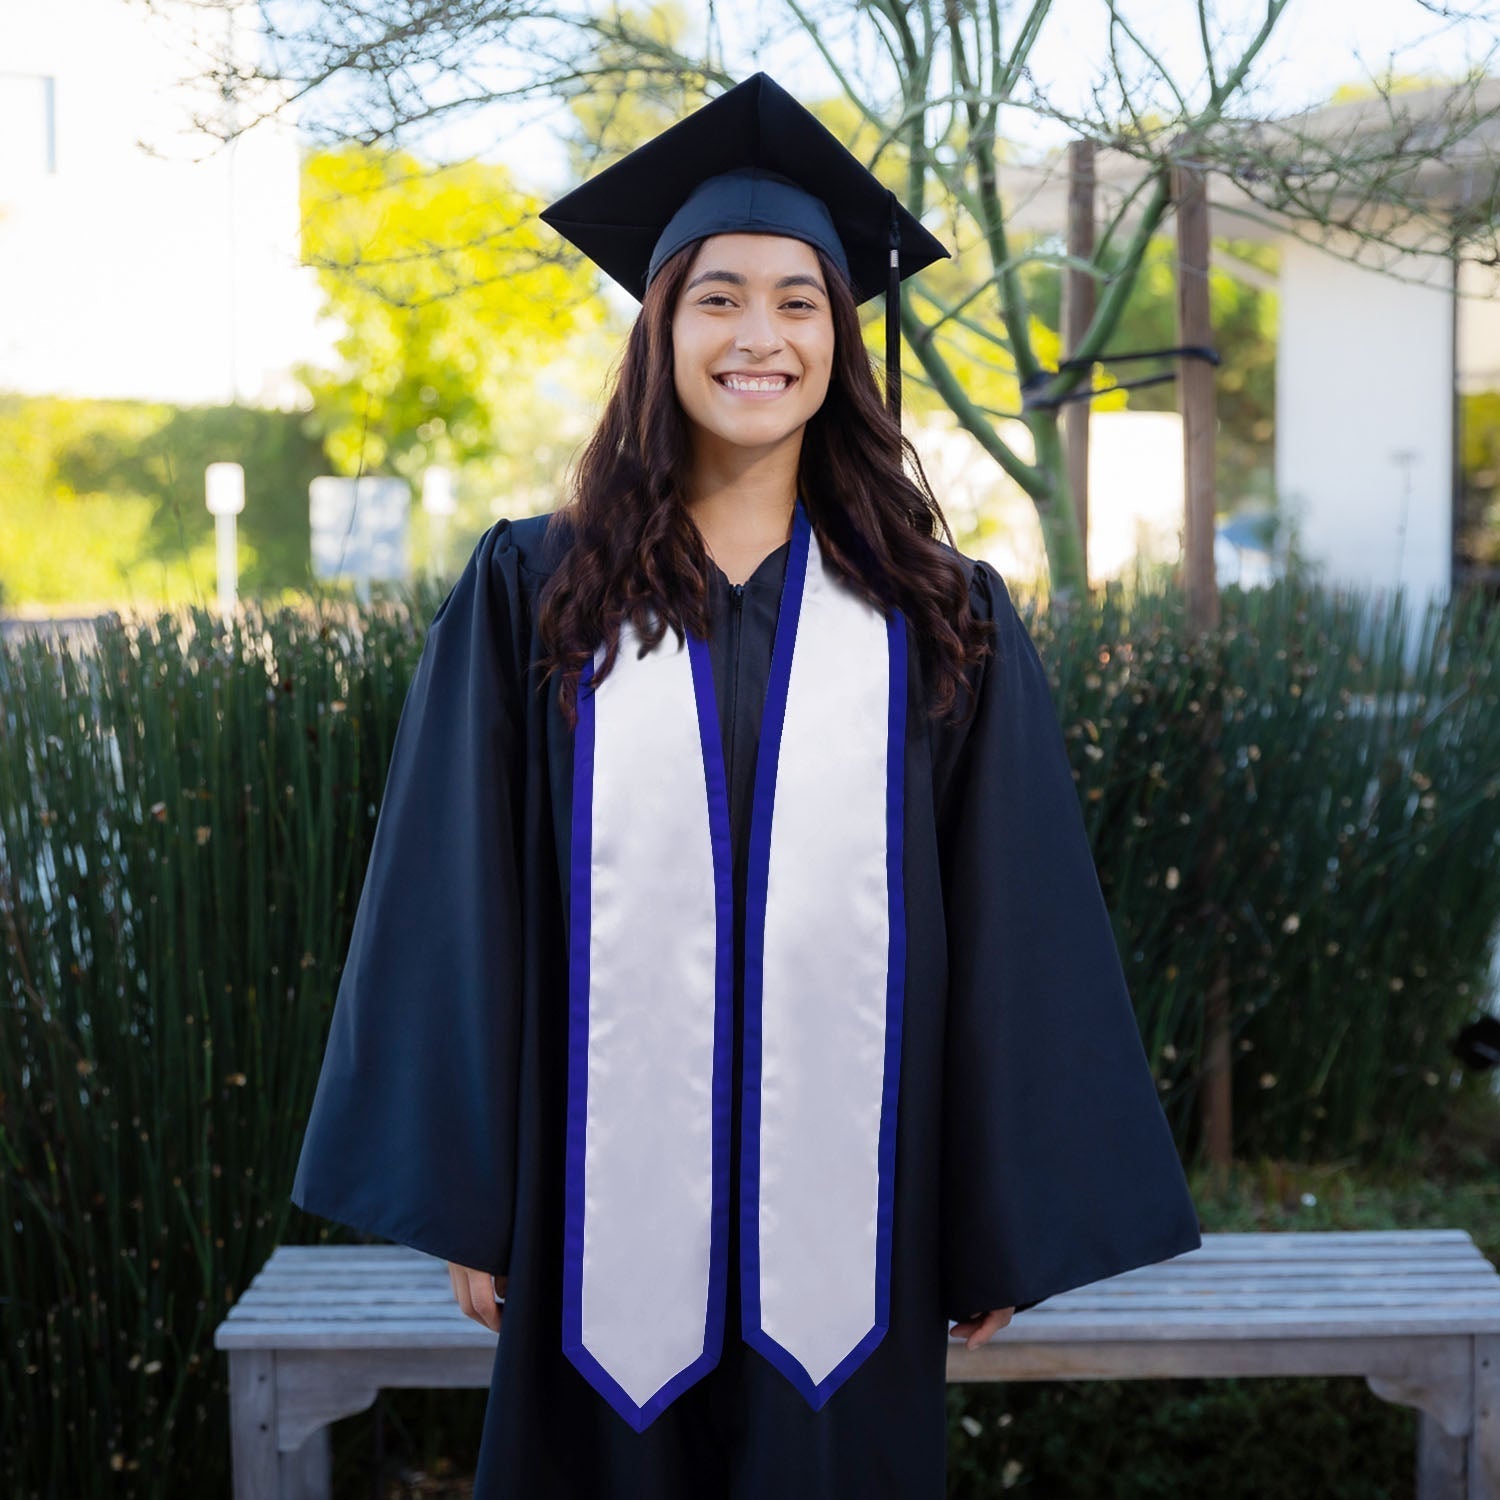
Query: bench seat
pixel 322 1328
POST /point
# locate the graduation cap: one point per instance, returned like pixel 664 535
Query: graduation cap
pixel 751 161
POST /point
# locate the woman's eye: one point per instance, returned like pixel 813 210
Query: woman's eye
pixel 717 299
pixel 799 304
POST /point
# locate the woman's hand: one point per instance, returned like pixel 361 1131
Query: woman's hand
pixel 978 1329
pixel 476 1292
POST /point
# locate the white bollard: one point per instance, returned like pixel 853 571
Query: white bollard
pixel 439 501
pixel 224 488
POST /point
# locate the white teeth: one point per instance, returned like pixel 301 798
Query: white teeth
pixel 756 382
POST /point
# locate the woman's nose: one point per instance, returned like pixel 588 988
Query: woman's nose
pixel 757 334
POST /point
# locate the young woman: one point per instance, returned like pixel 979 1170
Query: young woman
pixel 732 995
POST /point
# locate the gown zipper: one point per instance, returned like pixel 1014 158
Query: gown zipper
pixel 737 597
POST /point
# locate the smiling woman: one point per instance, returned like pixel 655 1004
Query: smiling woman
pixel 732 985
pixel 752 344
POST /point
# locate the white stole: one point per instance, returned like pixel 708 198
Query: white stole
pixel 651 1005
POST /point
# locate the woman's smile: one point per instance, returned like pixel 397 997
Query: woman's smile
pixel 755 385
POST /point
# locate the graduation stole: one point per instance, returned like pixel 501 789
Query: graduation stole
pixel 651 1005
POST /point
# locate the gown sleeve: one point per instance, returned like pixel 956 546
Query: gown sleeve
pixel 412 1133
pixel 1059 1166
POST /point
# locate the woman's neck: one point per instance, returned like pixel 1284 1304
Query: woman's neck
pixel 742 503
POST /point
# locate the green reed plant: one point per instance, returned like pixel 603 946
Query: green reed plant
pixel 185 814
pixel 1356 887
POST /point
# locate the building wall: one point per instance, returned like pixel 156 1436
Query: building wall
pixel 138 257
pixel 1364 411
pixel 1135 494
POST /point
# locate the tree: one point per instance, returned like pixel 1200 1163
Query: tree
pixel 451 308
pixel 923 86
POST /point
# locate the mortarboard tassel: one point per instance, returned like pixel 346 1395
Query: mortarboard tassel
pixel 893 318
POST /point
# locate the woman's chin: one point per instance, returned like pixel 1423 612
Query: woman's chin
pixel 755 436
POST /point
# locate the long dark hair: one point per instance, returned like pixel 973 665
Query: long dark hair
pixel 634 553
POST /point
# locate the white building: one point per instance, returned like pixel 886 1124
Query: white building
pixel 140 258
pixel 1373 351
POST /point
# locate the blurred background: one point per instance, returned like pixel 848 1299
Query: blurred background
pixel 299 236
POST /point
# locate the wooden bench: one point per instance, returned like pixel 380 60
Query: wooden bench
pixel 321 1329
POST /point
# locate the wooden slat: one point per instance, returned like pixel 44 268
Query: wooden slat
pixel 398 1334
pixel 331 1282
pixel 1255 1285
pixel 1279 1239
pixel 1335 1242
pixel 1332 1254
pixel 1031 1326
pixel 1196 1283
pixel 1096 1297
pixel 297 1313
pixel 1483 1301
pixel 1191 1266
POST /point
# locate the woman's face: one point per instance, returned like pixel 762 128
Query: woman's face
pixel 752 340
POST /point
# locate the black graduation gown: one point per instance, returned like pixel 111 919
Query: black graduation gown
pixel 1032 1152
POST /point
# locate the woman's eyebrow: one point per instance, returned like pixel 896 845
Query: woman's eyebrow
pixel 736 279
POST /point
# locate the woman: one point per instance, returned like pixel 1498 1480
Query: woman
pixel 731 990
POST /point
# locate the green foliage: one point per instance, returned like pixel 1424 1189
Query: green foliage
pixel 628 96
pixel 1156 1439
pixel 185 819
pixel 104 500
pixel 184 822
pixel 1479 469
pixel 467 339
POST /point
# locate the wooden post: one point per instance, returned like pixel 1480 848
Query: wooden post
pixel 1078 312
pixel 1195 396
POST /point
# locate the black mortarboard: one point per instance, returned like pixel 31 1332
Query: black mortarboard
pixel 751 161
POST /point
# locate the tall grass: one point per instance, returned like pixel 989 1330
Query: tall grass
pixel 1356 885
pixel 185 816
pixel 184 821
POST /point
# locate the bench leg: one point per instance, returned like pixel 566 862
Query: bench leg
pixel 307 1473
pixel 1442 1461
pixel 1484 1435
pixel 1466 1467
pixel 252 1425
pixel 260 1471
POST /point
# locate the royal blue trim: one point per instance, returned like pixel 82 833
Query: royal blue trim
pixel 895 994
pixel 773 720
pixel 641 1416
pixel 723 1079
pixel 580 857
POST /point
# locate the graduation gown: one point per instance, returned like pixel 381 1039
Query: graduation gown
pixel 1031 1154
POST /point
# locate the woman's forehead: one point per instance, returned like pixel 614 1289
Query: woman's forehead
pixel 755 255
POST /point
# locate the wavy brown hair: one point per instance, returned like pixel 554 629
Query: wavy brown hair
pixel 633 551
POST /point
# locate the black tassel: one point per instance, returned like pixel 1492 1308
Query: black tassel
pixel 893 320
